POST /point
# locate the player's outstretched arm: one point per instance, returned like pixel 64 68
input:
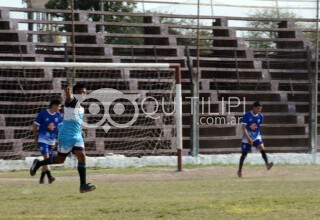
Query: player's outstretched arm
pixel 69 95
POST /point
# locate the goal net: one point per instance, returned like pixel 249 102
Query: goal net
pixel 130 109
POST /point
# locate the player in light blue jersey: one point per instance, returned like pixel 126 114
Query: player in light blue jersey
pixel 70 137
pixel 45 130
pixel 251 123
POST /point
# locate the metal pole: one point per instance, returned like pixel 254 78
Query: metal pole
pixel 314 96
pixel 277 5
pixel 102 16
pixel 237 67
pixel 72 76
pixel 195 94
pixel 193 119
pixel 178 115
pixel 268 65
pixel 143 8
pixel 73 31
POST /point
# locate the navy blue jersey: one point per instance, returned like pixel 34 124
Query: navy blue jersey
pixel 253 124
pixel 48 126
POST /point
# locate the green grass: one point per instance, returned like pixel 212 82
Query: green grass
pixel 287 192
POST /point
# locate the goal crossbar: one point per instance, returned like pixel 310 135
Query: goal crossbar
pixel 86 65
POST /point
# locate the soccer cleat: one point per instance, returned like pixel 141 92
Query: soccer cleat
pixel 87 188
pixel 51 179
pixel 239 174
pixel 269 166
pixel 41 181
pixel 33 170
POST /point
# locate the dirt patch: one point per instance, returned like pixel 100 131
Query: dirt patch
pixel 167 174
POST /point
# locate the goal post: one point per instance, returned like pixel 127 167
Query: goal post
pixel 138 110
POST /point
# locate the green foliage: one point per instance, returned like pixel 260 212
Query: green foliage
pixel 192 32
pixel 311 35
pixel 266 13
pixel 127 7
pixel 93 6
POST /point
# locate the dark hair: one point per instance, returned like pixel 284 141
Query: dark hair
pixel 256 104
pixel 55 102
pixel 78 87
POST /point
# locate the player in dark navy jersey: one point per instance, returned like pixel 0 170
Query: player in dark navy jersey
pixel 251 123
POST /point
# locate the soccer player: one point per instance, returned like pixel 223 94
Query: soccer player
pixel 70 137
pixel 45 130
pixel 251 122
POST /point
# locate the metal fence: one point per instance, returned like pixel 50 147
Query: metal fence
pixel 231 55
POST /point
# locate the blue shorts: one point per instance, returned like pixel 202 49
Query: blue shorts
pixel 246 147
pixel 45 148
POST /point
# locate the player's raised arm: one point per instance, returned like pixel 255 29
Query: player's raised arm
pixel 69 95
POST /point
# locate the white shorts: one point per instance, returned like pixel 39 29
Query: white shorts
pixel 68 150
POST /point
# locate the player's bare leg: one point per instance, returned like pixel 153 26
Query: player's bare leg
pixel 264 156
pixel 84 186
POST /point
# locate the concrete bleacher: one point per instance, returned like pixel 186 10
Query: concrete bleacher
pixel 276 76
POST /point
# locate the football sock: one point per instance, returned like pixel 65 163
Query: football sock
pixel 49 174
pixel 82 173
pixel 264 156
pixel 42 175
pixel 42 162
pixel 56 160
pixel 242 158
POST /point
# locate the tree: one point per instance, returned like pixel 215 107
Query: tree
pixel 265 13
pixel 188 32
pixel 93 6
pixel 107 7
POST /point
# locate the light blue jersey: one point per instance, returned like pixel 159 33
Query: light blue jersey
pixel 70 132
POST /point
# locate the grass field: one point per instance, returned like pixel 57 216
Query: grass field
pixel 215 192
